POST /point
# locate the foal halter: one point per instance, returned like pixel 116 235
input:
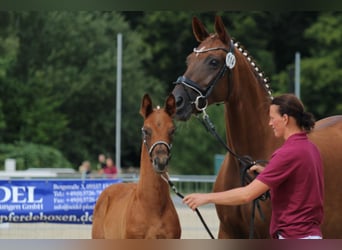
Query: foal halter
pixel 201 101
pixel 152 147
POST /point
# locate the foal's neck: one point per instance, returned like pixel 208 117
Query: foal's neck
pixel 150 185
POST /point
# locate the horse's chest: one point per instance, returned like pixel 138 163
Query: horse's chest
pixel 152 229
pixel 153 226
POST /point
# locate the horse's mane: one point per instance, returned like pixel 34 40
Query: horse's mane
pixel 264 81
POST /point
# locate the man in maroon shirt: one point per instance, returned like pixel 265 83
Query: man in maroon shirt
pixel 294 176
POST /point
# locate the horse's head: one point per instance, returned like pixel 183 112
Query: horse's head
pixel 205 80
pixel 158 130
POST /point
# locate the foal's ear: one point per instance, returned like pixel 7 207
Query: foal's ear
pixel 199 30
pixel 146 106
pixel 170 105
pixel 221 30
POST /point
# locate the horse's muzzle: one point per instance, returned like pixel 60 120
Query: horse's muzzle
pixel 184 109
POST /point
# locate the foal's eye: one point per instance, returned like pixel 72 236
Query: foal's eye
pixel 146 132
pixel 172 131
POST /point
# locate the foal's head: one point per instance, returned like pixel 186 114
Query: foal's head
pixel 158 130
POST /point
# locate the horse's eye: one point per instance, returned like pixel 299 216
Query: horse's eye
pixel 214 63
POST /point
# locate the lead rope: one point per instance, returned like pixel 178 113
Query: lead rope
pixel 173 187
pixel 245 161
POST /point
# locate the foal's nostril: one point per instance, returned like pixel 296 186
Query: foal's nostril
pixel 160 164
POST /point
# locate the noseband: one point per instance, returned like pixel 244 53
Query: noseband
pixel 201 101
pixel 152 147
pixel 201 104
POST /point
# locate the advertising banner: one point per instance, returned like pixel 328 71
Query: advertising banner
pixel 55 201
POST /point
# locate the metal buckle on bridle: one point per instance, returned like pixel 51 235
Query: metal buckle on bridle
pixel 201 103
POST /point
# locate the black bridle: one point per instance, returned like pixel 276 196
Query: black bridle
pixel 246 162
pixel 201 103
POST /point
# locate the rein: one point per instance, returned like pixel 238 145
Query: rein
pixel 246 162
pixel 173 187
pixel 167 178
pixel 201 103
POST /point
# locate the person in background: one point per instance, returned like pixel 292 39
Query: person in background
pixel 85 168
pixel 110 169
pixel 294 176
pixel 101 162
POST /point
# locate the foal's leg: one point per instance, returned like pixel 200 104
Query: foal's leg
pixel 99 215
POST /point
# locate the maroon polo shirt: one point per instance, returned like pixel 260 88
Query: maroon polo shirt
pixel 295 177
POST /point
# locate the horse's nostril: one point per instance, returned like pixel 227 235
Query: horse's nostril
pixel 179 101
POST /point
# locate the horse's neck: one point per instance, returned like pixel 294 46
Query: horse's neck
pixel 246 115
pixel 150 185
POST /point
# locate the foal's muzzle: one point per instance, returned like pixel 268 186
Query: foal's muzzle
pixel 160 156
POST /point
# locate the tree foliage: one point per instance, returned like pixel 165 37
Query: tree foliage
pixel 194 147
pixel 58 75
pixel 64 83
pixel 31 155
pixel 322 71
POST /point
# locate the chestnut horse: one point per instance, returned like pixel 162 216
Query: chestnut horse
pixel 144 209
pixel 220 70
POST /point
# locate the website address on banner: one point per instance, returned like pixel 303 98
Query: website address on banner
pixel 85 218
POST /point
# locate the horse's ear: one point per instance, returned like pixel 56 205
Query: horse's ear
pixel 199 30
pixel 146 106
pixel 221 30
pixel 170 105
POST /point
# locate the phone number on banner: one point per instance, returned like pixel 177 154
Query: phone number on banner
pixel 58 201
